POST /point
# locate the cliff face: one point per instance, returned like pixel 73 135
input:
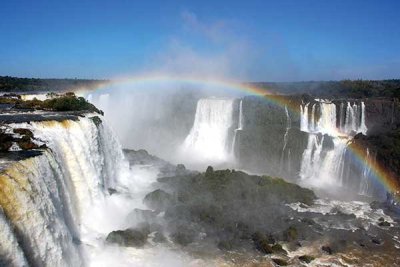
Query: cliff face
pixel 272 140
pixel 382 115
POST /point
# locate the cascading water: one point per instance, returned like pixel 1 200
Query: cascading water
pixel 209 138
pixel 364 182
pixel 57 208
pixel 323 160
pixel 239 128
pixel 285 139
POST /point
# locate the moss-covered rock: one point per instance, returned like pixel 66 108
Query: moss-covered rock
pixel 290 234
pixel 96 120
pixel 229 206
pixel 280 262
pixel 158 200
pixel 128 237
pixel 306 258
pixel 261 243
pixel 159 237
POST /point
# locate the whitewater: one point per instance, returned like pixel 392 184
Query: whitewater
pixel 63 203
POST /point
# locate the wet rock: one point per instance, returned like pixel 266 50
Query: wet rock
pixel 180 169
pixel 280 262
pixel 290 234
pixel 159 237
pixel 112 191
pixel 384 223
pixel 23 132
pixel 261 243
pixel 25 143
pixel 158 200
pixel 306 258
pixel 183 237
pixel 96 120
pixel 376 241
pixel 327 249
pixel 209 171
pixel 225 245
pixel 6 141
pixel 128 237
pixel 277 248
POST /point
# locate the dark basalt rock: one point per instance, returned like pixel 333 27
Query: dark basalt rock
pixel 290 234
pixel 261 243
pixel 24 132
pixel 158 200
pixel 327 249
pixel 280 262
pixel 159 237
pixel 229 207
pixel 277 248
pixel 306 258
pixel 96 120
pixel 183 236
pixel 128 237
pixel 384 224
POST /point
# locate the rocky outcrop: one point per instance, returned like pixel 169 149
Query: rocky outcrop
pixel 227 207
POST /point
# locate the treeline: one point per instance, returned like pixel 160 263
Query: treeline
pixel 345 88
pixel 14 84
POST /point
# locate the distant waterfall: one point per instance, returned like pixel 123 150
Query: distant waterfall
pixel 239 127
pixel 210 135
pixel 323 160
pixel 46 199
pixel 364 181
pixel 285 139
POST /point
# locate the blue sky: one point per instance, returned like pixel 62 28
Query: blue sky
pixel 248 40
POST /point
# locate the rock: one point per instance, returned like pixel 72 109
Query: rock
pixel 6 141
pixel 159 237
pixel 290 234
pixel 209 171
pixel 158 200
pixel 376 241
pixel 128 237
pixel 384 224
pixel 23 132
pixel 96 120
pixel 277 248
pixel 183 238
pixel 112 191
pixel 26 144
pixel 261 243
pixel 280 262
pixel 180 169
pixel 225 245
pixel 306 258
pixel 327 249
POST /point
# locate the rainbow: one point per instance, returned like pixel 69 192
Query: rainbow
pixel 384 177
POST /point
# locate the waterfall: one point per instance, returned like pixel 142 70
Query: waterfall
pixel 239 128
pixel 363 127
pixel 304 118
pixel 364 181
pixel 209 137
pixel 323 160
pixel 47 199
pixel 285 139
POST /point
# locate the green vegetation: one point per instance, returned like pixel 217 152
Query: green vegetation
pixel 231 207
pixel 14 84
pixel 339 89
pixel 66 102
